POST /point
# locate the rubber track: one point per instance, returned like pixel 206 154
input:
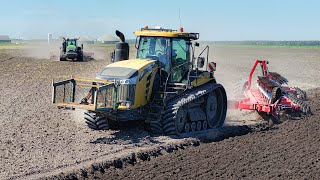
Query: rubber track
pixel 170 111
pixel 154 119
pixel 94 122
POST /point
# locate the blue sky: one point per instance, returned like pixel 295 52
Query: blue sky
pixel 213 19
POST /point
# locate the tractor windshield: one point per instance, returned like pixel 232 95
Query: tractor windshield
pixel 72 43
pixel 156 48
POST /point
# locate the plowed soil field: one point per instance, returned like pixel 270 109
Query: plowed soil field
pixel 38 140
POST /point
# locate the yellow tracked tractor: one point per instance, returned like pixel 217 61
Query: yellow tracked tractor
pixel 166 85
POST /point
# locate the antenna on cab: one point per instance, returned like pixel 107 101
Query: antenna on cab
pixel 180 17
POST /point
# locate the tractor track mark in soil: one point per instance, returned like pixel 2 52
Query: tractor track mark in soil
pixel 288 151
pixel 96 169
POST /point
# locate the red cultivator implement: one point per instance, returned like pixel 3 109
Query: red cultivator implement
pixel 271 96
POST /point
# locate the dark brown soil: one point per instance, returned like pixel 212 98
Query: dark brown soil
pixel 38 140
pixel 288 151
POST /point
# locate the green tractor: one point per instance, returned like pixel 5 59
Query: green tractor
pixel 70 50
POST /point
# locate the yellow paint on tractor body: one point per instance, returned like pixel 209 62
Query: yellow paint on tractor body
pixel 141 98
pixel 131 63
pixel 203 78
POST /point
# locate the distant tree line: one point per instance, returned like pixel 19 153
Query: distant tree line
pixel 266 43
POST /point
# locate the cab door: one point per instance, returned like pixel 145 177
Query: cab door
pixel 180 58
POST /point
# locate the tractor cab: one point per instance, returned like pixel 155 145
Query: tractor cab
pixel 71 44
pixel 170 48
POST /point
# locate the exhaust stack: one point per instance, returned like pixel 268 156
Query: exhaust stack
pixel 121 51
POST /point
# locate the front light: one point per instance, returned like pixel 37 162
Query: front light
pixel 132 80
pixel 125 81
pixel 128 105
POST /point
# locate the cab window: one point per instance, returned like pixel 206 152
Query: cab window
pixel 180 59
pixel 156 48
pixel 71 42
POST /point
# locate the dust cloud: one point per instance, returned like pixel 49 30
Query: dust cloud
pixel 42 50
pixel 96 52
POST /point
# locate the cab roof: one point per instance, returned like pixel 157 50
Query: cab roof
pixel 166 33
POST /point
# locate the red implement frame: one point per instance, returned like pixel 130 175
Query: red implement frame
pixel 255 100
pixel 264 68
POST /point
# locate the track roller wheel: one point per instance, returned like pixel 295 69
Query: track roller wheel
pixel 204 125
pixel 199 126
pixel 193 126
pixel 96 122
pixel 187 127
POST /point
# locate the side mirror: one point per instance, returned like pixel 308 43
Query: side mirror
pixel 137 41
pixel 112 56
pixel 196 44
pixel 200 62
pixel 82 46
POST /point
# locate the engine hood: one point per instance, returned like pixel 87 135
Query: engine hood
pixel 136 64
pixel 71 47
pixel 125 69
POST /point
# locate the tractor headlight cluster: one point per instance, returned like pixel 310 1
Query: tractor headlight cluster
pixel 125 81
pixel 132 80
pixel 128 105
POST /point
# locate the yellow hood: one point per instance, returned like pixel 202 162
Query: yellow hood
pixel 132 63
